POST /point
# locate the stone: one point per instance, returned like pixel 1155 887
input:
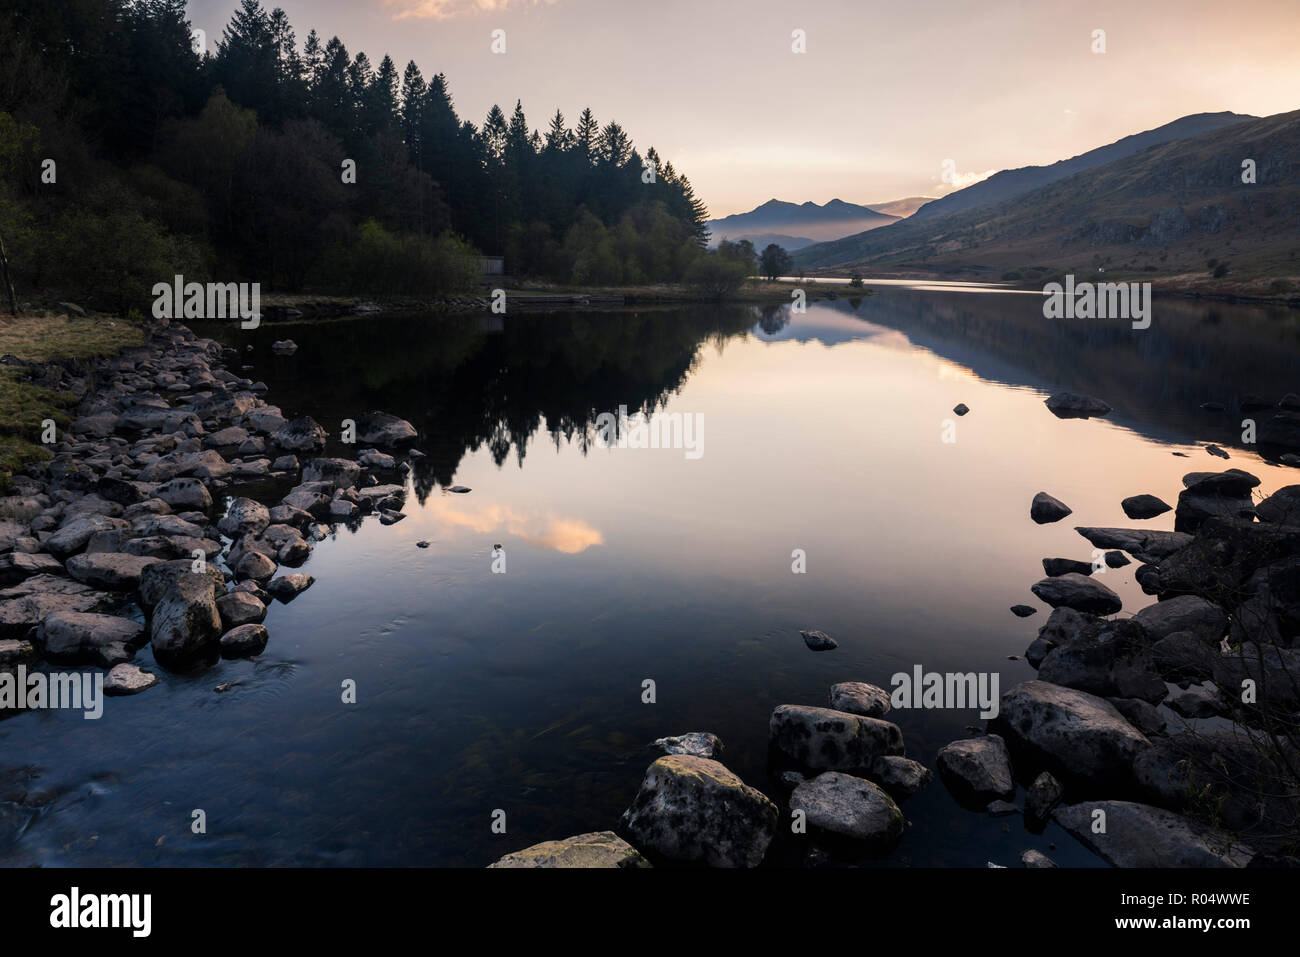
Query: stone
pixel 700 744
pixel 74 535
pixel 977 770
pixel 244 516
pixel 599 849
pixel 112 571
pixel 824 740
pixel 240 608
pixel 694 809
pixel 157 580
pixel 16 567
pixel 1144 545
pixel 1056 567
pixel 1144 506
pixel 851 808
pixel 1198 701
pixel 818 640
pixel 244 641
pixel 127 679
pixel 26 605
pixel 384 430
pixel 185 493
pixel 1106 658
pixel 300 435
pixel 254 565
pixel 1067 405
pixel 1282 507
pixel 899 775
pixel 1078 592
pixel 1206 620
pixel 1023 611
pixel 185 623
pixel 340 473
pixel 1034 858
pixel 1044 509
pixel 1139 835
pixel 1077 736
pixel 858 697
pixel 81 637
pixel 288 587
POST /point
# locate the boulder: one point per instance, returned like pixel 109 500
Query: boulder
pixel 1139 835
pixel 1106 658
pixel 900 775
pixel 694 809
pixel 858 697
pixel 1074 405
pixel 849 807
pixel 598 849
pixel 384 430
pixel 700 744
pixel 185 493
pixel 1077 736
pixel 1206 620
pixel 240 608
pixel 288 587
pixel 818 640
pixel 1144 545
pixel 82 637
pixel 977 770
pixel 185 623
pixel 26 605
pixel 1282 507
pixel 16 567
pixel 1078 592
pixel 127 679
pixel 1144 506
pixel 74 535
pixel 1044 509
pixel 112 571
pixel 300 435
pixel 244 516
pixel 157 580
pixel 340 473
pixel 254 565
pixel 1056 567
pixel 1043 795
pixel 244 641
pixel 826 740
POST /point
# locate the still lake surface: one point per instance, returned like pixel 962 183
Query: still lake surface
pixel 522 692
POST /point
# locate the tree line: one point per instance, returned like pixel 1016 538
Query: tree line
pixel 127 155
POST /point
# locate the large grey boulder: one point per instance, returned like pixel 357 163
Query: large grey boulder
pixel 977 770
pixel 341 473
pixel 244 516
pixel 82 637
pixel 694 809
pixel 599 849
pixel 74 535
pixel 1078 592
pixel 858 697
pixel 1044 509
pixel 824 740
pixel 185 622
pixel 240 608
pixel 1079 737
pixel 1143 544
pixel 303 434
pixel 157 580
pixel 1191 613
pixel 1138 835
pixel 1106 658
pixel 113 571
pixel 244 641
pixel 185 494
pixel 16 567
pixel 127 679
pixel 849 807
pixel 1282 507
pixel 382 429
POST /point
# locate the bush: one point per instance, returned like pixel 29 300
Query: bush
pixel 715 276
pixel 390 263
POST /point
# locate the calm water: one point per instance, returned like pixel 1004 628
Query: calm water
pixel 522 691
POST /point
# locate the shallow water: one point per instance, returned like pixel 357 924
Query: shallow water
pixel 523 691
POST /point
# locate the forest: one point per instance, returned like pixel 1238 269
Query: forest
pixel 129 154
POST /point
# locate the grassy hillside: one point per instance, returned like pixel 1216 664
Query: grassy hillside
pixel 1178 211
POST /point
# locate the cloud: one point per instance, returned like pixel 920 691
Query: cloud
pixel 956 180
pixel 567 535
pixel 446 9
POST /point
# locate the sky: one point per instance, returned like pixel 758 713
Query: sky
pixel 883 95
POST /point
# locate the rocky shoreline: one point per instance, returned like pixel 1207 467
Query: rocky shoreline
pixel 122 539
pixel 1086 739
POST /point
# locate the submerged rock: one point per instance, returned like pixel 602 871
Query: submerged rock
pixel 1034 858
pixel 1138 835
pixel 288 587
pixel 700 744
pixel 818 640
pixel 303 434
pixel 599 849
pixel 900 775
pixel 382 429
pixel 1043 795
pixel 244 641
pixel 1023 611
pixel 1144 506
pixel 694 809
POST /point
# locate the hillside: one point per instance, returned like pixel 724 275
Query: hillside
pixel 901 208
pixel 1178 210
pixel 1013 182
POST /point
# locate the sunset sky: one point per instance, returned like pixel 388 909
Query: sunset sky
pixel 884 94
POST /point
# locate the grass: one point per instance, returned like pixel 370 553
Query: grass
pixel 24 406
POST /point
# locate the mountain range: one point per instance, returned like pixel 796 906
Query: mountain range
pixel 795 225
pixel 1171 201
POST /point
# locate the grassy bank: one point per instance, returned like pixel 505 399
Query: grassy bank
pixel 24 405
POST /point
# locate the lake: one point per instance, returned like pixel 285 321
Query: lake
pixel 477 691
